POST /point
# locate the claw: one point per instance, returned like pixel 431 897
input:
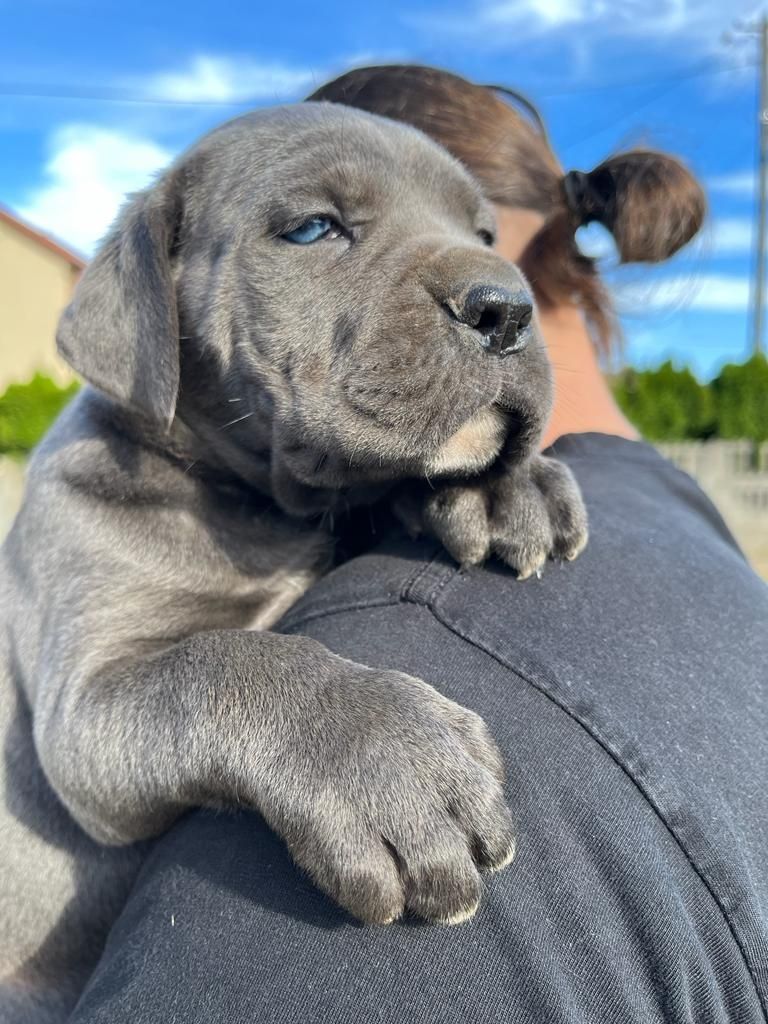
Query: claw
pixel 506 861
pixel 577 549
pixel 461 917
pixel 533 569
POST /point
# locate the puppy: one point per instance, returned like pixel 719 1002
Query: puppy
pixel 304 310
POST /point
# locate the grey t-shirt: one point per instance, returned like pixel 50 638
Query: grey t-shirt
pixel 628 692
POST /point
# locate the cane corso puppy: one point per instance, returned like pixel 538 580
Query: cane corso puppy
pixel 304 311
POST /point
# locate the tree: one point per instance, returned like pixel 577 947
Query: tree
pixel 741 399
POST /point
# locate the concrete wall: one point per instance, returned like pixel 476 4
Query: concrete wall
pixel 35 285
pixel 734 474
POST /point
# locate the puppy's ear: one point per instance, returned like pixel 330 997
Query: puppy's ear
pixel 121 330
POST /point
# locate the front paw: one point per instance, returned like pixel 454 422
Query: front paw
pixel 524 515
pixel 401 806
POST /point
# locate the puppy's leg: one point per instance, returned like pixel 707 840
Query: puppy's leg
pixel 149 697
pixel 380 786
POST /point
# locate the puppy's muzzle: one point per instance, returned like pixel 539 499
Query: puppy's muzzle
pixel 500 318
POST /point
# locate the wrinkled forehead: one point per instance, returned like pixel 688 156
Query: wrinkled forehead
pixel 312 153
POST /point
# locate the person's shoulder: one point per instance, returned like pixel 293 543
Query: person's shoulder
pixel 656 542
pixel 646 656
pixel 603 463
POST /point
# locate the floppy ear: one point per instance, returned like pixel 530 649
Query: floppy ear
pixel 121 331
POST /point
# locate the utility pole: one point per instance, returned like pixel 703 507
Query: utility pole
pixel 758 297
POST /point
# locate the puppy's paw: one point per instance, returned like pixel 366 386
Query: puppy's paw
pixel 524 515
pixel 459 516
pixel 538 513
pixel 406 809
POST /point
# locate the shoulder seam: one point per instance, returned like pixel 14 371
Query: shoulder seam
pixel 594 733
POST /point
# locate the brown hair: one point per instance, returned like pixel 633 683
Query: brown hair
pixel 648 201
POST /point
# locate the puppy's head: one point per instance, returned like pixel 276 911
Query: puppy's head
pixel 315 286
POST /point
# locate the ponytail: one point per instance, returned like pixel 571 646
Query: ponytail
pixel 650 203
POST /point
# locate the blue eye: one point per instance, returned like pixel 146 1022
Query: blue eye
pixel 313 230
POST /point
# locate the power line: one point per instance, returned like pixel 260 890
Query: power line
pixel 116 94
pixel 603 124
pixel 659 87
pixel 699 70
pixel 108 94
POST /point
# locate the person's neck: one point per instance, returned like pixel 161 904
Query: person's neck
pixel 583 400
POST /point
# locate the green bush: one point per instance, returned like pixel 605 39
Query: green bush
pixel 741 398
pixel 666 404
pixel 28 410
pixel 670 404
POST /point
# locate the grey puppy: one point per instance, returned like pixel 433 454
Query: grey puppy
pixel 302 312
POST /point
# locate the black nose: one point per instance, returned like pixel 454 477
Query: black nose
pixel 502 318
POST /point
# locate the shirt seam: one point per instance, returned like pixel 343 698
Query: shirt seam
pixel 591 730
pixel 594 733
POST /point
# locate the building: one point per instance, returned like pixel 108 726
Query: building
pixel 37 276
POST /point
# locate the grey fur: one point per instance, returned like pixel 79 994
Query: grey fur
pixel 241 383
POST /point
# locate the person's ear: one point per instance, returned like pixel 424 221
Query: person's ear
pixel 121 332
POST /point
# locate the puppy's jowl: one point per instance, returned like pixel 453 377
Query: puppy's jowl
pixel 305 305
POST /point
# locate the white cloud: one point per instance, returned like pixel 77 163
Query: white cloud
pixel 729 235
pixel 91 168
pixel 738 183
pixel 89 172
pixel 701 22
pixel 597 242
pixel 715 293
pixel 545 12
pixel 209 79
pixel 621 17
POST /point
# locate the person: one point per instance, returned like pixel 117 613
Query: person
pixel 627 692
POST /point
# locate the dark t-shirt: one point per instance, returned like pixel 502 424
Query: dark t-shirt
pixel 628 692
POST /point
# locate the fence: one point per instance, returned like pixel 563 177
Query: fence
pixel 735 476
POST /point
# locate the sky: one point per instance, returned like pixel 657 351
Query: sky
pixel 96 97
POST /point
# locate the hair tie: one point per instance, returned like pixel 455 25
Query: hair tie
pixel 590 196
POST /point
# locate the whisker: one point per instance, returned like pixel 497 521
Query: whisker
pixel 238 419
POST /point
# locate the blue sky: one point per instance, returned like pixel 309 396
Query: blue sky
pixel 94 97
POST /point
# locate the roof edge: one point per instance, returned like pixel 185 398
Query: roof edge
pixel 75 260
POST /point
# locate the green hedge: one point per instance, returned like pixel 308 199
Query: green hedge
pixel 741 398
pixel 28 410
pixel 670 404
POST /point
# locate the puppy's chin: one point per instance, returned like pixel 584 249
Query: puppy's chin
pixel 473 447
pixel 305 483
pixel 305 480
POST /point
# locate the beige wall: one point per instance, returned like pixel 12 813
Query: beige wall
pixel 11 489
pixel 35 285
